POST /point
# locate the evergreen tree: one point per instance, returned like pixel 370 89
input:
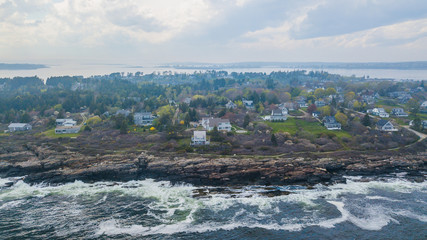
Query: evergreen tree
pixel 366 120
pixel 216 135
pixel 123 128
pixel 246 121
pixel 273 139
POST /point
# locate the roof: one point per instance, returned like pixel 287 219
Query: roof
pixel 64 119
pixel 200 134
pixel 17 125
pixel 382 122
pixel 329 119
pixel 217 121
pixel 276 112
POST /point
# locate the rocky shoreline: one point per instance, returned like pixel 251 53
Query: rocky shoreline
pixel 43 163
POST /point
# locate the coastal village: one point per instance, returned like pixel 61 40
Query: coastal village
pixel 238 116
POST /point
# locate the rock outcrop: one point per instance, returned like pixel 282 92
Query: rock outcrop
pixel 46 164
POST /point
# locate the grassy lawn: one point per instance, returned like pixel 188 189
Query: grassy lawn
pixel 3 134
pixel 51 134
pixel 292 125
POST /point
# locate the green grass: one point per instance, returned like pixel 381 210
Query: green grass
pixel 4 134
pixel 292 125
pixel 51 134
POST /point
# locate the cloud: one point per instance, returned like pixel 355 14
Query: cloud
pixel 202 30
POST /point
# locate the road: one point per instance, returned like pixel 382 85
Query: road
pixel 421 135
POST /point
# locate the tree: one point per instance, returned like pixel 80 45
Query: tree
pixel 417 124
pixel 330 91
pixel 312 108
pixel 341 118
pixel 349 96
pixel 25 118
pixel 246 121
pixel 319 93
pixel 216 135
pixel 270 83
pixel 123 127
pixel 273 139
pixel 326 110
pixel 366 120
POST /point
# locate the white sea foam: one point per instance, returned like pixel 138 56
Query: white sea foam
pixel 251 209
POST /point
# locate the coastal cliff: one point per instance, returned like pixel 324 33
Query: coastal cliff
pixel 44 163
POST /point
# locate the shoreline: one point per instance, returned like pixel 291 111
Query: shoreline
pixel 46 164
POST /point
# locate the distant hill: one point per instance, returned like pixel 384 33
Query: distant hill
pixel 21 66
pixel 421 65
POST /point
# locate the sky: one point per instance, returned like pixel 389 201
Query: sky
pixel 212 31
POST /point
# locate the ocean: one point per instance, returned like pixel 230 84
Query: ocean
pixel 388 207
pixel 88 70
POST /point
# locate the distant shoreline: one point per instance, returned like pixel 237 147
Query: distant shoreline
pixel 21 66
pixel 416 65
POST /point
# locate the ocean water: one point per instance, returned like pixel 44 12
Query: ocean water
pixel 88 70
pixel 387 208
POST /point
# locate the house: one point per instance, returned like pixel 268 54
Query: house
pixel 17 127
pixel 423 107
pixel 143 119
pixel 65 122
pixel 123 112
pixel 283 109
pixel 331 123
pixel 199 138
pixel 248 104
pixel 221 124
pixel 319 103
pixel 187 100
pixel 301 103
pixel 384 125
pixel 230 105
pixel 67 129
pixel 315 114
pixel 289 105
pixel 424 124
pixel 380 112
pixel 277 115
pixel 398 112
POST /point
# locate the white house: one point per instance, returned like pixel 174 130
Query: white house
pixel 277 115
pixel 380 112
pixel 384 125
pixel 331 123
pixel 67 129
pixel 16 127
pixel 199 138
pixel 399 112
pixel 230 105
pixel 424 104
pixel 248 104
pixel 221 124
pixel 143 119
pixel 284 109
pixel 65 122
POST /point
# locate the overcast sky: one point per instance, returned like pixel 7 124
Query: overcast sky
pixel 219 31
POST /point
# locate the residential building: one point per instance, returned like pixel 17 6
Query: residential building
pixel 230 105
pixel 319 103
pixel 249 104
pixel 315 114
pixel 331 123
pixel 67 129
pixel 143 119
pixel 277 115
pixel 423 107
pixel 65 122
pixel 187 100
pixel 199 138
pixel 221 124
pixel 384 125
pixel 399 112
pixel 380 112
pixel 17 127
pixel 123 112
pixel 289 105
